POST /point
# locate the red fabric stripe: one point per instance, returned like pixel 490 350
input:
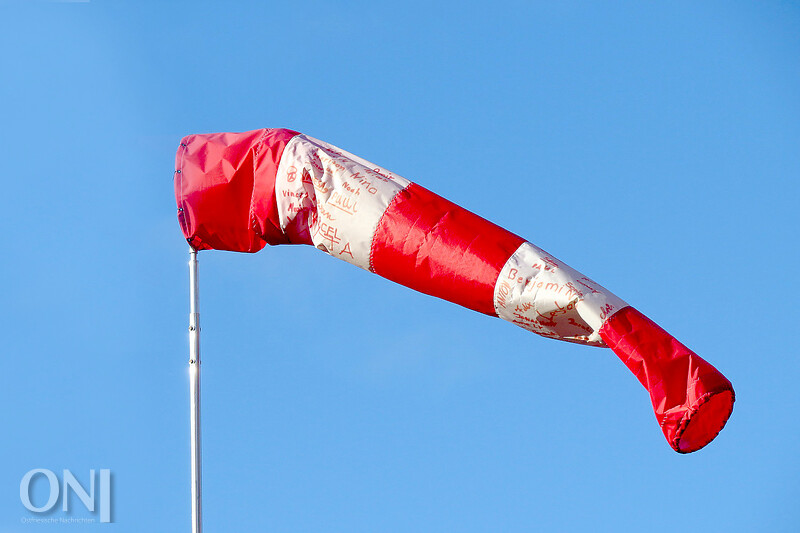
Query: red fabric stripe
pixel 433 246
pixel 692 399
pixel 216 177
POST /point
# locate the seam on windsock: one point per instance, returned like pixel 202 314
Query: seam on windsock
pixel 497 283
pixel 395 199
pixel 495 299
pixel 606 319
pixel 283 221
pixel 256 151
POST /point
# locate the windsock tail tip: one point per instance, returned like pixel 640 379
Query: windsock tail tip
pixel 692 400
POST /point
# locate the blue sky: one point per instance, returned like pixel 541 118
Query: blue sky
pixel 652 146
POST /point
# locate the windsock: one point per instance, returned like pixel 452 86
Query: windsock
pixel 242 191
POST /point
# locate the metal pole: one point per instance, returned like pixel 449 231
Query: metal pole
pixel 194 392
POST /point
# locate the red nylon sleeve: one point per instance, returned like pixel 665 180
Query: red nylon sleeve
pixel 225 189
pixel 692 399
pixel 436 247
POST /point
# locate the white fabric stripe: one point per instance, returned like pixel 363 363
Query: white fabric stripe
pixel 541 294
pixel 338 197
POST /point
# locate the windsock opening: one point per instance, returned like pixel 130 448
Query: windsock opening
pixel 225 189
pixel 704 423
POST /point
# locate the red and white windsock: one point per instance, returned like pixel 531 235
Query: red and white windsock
pixel 242 191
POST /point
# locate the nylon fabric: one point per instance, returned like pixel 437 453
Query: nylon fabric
pixel 538 292
pixel 224 185
pixel 692 400
pixel 331 199
pixel 439 248
pixel 241 191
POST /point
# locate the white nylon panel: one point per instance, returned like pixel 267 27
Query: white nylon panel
pixel 541 294
pixel 340 196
